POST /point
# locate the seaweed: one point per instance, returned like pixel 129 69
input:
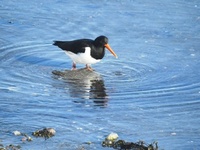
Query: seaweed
pixel 10 147
pixel 123 145
pixel 46 133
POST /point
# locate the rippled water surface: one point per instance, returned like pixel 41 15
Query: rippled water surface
pixel 150 93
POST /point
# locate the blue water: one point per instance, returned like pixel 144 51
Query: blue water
pixel 150 93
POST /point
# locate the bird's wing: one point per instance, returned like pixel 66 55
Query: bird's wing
pixel 77 46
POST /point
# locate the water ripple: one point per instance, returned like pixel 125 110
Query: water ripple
pixel 151 92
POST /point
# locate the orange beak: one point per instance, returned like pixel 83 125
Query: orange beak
pixel 110 49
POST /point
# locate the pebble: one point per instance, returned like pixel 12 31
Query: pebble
pixel 112 137
pixel 17 133
pixel 51 131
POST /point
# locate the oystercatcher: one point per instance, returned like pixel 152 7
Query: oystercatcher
pixel 85 51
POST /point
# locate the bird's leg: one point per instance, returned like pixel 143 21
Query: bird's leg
pixel 88 67
pixel 74 66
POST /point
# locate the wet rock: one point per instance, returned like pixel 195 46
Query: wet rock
pixel 77 74
pixel 46 133
pixel 10 147
pixel 17 133
pixel 112 137
pixel 110 140
pixel 25 136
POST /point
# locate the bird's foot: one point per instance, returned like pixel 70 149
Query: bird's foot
pixel 73 66
pixel 89 68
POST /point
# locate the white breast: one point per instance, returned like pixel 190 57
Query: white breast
pixel 82 58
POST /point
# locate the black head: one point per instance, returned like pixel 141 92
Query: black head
pixel 101 40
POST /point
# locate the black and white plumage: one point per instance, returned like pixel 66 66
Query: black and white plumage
pixel 85 51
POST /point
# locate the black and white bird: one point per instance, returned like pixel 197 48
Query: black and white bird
pixel 85 51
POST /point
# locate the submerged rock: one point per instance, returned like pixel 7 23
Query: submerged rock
pixel 25 136
pixel 10 147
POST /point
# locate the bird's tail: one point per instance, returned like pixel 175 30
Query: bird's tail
pixel 58 43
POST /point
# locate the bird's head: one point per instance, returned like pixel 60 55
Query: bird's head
pixel 103 41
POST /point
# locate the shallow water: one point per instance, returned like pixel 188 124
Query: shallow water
pixel 151 92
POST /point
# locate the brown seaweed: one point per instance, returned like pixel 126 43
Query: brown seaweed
pixel 123 145
pixel 10 147
pixel 46 133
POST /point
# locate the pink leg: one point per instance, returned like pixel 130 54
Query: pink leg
pixel 89 67
pixel 74 66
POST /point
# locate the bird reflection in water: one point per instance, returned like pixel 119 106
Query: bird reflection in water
pixel 84 84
